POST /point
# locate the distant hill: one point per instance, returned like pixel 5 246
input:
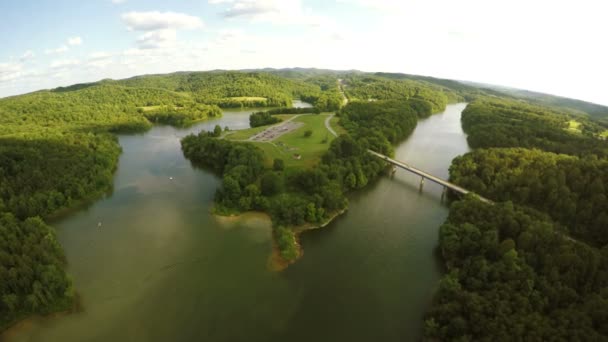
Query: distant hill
pixel 594 110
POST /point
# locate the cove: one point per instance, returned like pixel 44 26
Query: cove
pixel 162 268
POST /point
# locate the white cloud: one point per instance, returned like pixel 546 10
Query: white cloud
pixel 64 63
pixel 58 50
pixel 151 21
pixel 99 55
pixel 73 41
pixel 29 54
pixel 156 39
pixel 276 11
pixel 117 2
pixel 10 71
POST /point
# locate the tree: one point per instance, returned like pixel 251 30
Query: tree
pixel 307 133
pixel 271 183
pixel 278 164
pixel 217 131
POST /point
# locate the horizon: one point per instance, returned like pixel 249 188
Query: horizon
pixel 475 83
pixel 120 39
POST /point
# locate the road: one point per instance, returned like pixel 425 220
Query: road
pixel 328 125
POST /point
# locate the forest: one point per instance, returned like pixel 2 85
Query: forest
pixel 508 123
pixel 258 119
pixel 534 266
pixel 572 190
pixel 31 269
pixel 512 276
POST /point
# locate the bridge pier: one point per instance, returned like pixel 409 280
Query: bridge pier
pixel 443 193
pixel 392 171
pixel 447 185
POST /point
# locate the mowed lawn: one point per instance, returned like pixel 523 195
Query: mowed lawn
pixel 247 98
pixel 294 143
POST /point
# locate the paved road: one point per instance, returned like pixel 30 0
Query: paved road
pixel 328 125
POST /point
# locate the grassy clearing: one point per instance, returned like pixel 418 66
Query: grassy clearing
pixel 150 108
pixel 604 134
pixel 310 148
pixel 247 98
pixel 574 126
pixel 294 143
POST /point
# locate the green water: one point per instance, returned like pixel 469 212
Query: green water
pixel 161 268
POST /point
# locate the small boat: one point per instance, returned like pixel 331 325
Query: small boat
pixel 170 178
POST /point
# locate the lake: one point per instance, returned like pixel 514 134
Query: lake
pixel 162 268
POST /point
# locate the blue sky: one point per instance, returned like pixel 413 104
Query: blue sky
pixel 551 46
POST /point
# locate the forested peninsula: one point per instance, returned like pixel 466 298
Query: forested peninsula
pixel 532 266
pixel 310 197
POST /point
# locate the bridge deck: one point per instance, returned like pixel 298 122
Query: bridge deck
pixel 428 176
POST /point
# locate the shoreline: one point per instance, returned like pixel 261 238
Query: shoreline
pixel 275 262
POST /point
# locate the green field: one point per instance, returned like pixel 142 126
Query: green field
pixel 288 145
pixel 247 98
pixel 150 108
pixel 604 134
pixel 574 126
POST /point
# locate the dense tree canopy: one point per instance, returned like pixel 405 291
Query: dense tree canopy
pixel 262 119
pixel 513 276
pixel 572 190
pixel 374 88
pixel 513 272
pixel 508 123
pixel 31 270
pixel 41 175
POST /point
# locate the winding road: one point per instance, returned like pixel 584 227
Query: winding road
pixel 328 125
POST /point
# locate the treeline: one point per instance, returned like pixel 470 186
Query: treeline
pixel 572 190
pixel 294 110
pixel 181 116
pixel 305 196
pixel 244 102
pixel 374 88
pixel 262 119
pixel 101 107
pixel 40 175
pixel 265 118
pixel 32 273
pixel 326 101
pixel 513 276
pixel 509 123
pixel 227 88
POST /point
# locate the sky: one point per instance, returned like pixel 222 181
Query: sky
pixel 552 46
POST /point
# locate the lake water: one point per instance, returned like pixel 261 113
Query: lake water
pixel 162 268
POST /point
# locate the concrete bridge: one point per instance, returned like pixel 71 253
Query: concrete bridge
pixel 424 175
